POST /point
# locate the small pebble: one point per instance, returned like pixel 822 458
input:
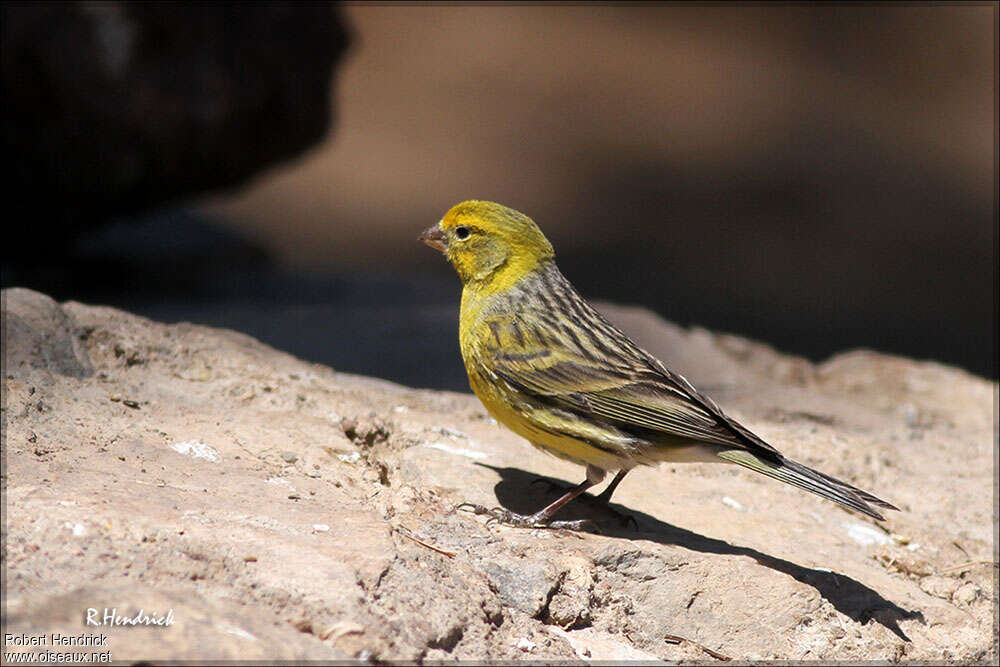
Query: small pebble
pixel 939 587
pixel 735 504
pixel 967 593
pixel 525 644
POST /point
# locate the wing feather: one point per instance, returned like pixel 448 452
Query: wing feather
pixel 613 389
pixel 559 350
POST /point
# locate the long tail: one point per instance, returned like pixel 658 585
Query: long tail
pixel 806 478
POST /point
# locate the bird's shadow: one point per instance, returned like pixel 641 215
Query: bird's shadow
pixel 519 491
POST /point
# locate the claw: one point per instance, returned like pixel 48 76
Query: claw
pixel 603 501
pixel 503 516
pixel 577 525
pixel 624 519
pixel 476 509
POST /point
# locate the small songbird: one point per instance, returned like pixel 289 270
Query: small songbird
pixel 555 371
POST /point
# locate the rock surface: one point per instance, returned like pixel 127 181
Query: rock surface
pixel 280 509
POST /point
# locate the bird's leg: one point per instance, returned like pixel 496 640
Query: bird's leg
pixel 602 500
pixel 543 517
pixel 605 497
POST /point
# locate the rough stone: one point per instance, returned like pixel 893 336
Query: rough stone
pixel 939 586
pixel 201 472
pixel 39 335
pixel 522 584
pixel 966 593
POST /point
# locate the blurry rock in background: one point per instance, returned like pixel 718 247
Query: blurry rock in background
pixel 819 178
pixel 113 108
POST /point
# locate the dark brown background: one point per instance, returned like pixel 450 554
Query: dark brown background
pixel 820 178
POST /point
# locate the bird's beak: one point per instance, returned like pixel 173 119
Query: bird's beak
pixel 434 237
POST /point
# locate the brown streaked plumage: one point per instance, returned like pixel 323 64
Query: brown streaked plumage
pixel 554 370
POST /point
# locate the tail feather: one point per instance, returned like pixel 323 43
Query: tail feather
pixel 864 495
pixel 796 474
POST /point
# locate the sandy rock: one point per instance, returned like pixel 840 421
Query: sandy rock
pixel 938 586
pixel 282 510
pixel 522 584
pixel 966 593
pixel 39 335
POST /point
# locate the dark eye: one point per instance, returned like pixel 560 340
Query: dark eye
pixel 462 233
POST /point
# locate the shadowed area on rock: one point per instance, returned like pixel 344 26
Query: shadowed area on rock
pixel 517 492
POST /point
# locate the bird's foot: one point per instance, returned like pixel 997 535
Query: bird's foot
pixel 536 520
pixel 602 501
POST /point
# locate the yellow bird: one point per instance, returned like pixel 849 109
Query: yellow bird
pixel 555 371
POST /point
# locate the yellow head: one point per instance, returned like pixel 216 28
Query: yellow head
pixel 488 244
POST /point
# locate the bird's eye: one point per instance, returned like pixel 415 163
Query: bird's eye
pixel 462 233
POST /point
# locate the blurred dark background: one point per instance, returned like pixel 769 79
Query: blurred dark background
pixel 817 177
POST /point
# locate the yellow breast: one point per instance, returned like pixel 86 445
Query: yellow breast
pixel 542 427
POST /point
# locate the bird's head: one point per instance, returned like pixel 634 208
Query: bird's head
pixel 489 244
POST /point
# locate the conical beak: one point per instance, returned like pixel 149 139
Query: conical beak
pixel 434 237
